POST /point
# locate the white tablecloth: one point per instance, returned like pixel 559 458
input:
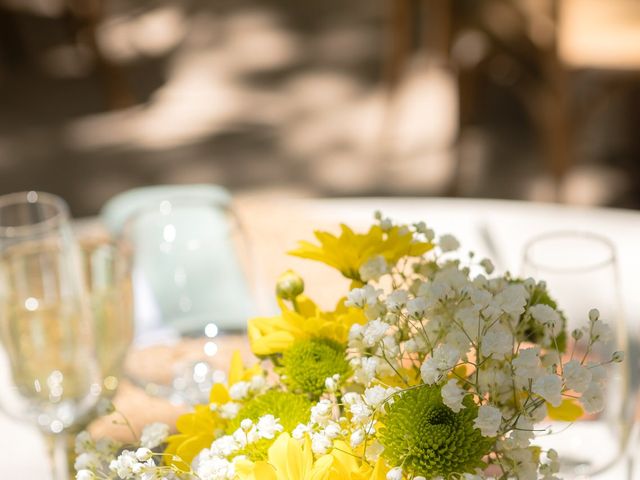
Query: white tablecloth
pixel 510 224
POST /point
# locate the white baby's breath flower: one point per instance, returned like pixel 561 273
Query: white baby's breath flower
pixel 366 369
pixel 257 383
pixel 83 442
pixel 453 395
pixel 320 443
pixel 105 407
pixel 488 420
pixel 448 243
pixel 373 268
pixel 85 475
pixel 444 359
pixel 487 265
pixel 478 295
pixel 375 396
pixel 361 413
pixel 332 430
pixel 357 437
pixel 331 383
pixel 361 297
pixel 548 317
pixel 215 468
pixel 394 474
pixel 321 412
pixel 549 387
pixel 526 467
pixel 592 398
pixel 397 299
pixel 227 444
pixel 576 376
pixel 373 332
pixel 497 343
pixel 527 363
pixel 268 426
pixel 88 461
pixel 154 434
pixel 127 465
pixel 458 340
pixel 416 307
pixel 512 300
pixel 601 332
pixel 143 454
pixel 239 390
pixel 521 436
pixel 229 410
pixel 469 319
pixel 472 476
pixel 300 431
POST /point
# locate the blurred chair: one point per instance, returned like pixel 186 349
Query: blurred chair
pixel 534 47
pixel 77 20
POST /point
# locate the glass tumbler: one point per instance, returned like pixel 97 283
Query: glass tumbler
pixel 581 272
pixel 190 289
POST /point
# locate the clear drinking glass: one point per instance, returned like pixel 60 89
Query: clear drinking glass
pixel 107 273
pixel 190 289
pixel 49 373
pixel 581 272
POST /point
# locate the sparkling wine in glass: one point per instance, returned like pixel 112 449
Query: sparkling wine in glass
pixel 581 272
pixel 107 273
pixel 49 374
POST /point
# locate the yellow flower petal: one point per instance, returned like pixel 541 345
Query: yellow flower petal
pixel 568 411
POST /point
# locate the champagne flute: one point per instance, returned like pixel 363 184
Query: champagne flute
pixel 49 373
pixel 581 272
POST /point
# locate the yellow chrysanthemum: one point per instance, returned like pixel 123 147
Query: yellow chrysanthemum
pixel 349 251
pixel 288 460
pixel 348 466
pixel 270 335
pixel 197 429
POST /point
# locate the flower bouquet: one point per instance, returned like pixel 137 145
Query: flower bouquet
pixel 428 368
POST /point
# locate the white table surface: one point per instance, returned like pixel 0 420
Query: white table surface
pixel 510 225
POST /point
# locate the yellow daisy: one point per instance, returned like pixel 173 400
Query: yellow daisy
pixel 349 251
pixel 197 429
pixel 288 459
pixel 270 335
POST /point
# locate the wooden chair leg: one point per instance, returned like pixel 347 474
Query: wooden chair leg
pixel 86 16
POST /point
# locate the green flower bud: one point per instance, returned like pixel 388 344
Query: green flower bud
pixel 617 357
pixel 289 285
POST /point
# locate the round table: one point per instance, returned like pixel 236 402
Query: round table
pixel 493 228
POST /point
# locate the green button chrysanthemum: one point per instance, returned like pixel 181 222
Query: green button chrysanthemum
pixel 308 363
pixel 427 438
pixel 290 408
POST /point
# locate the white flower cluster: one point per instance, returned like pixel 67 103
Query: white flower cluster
pixel 219 461
pixel 105 458
pixel 494 339
pixel 238 392
pixel 356 424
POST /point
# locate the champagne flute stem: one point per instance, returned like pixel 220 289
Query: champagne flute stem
pixel 60 455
